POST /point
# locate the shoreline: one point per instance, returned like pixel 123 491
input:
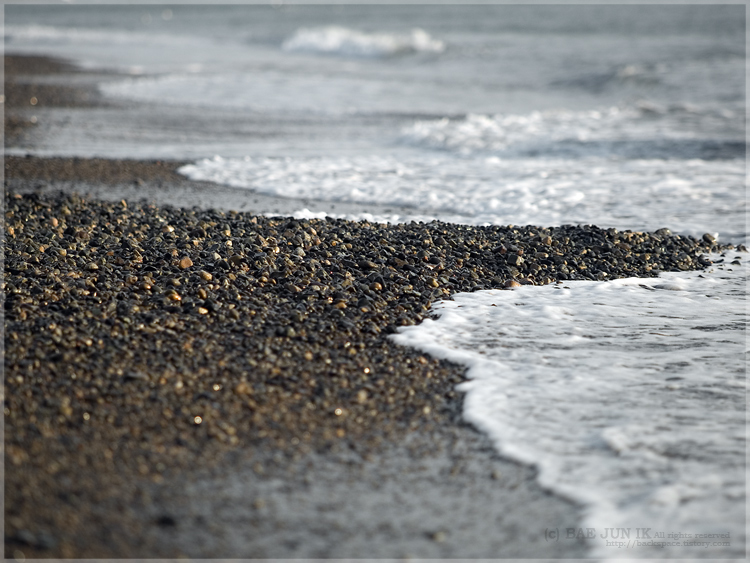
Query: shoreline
pixel 77 491
pixel 188 377
pixel 287 316
pixel 96 470
pixel 158 182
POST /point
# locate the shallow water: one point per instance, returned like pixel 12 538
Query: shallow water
pixel 629 395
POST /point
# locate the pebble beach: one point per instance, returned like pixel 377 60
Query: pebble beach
pixel 290 290
pixel 147 344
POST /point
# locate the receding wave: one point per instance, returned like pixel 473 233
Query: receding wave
pixel 345 42
pixel 553 379
pixel 644 194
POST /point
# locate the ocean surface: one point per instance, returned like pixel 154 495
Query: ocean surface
pixel 629 395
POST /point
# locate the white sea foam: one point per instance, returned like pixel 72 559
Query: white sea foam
pixel 345 42
pixel 584 133
pixel 686 196
pixel 628 395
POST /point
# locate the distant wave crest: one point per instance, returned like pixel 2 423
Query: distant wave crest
pixel 341 41
pixel 47 33
pixel 636 131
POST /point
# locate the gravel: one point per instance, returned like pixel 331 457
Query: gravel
pixel 144 340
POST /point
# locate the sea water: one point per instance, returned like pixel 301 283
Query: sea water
pixel 628 395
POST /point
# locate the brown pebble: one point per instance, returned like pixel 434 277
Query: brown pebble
pixel 205 275
pixel 242 388
pixel 185 263
pixel 511 283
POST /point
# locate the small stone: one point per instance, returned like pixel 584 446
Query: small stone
pixel 511 283
pixel 242 388
pixel 438 537
pixel 514 260
pixel 185 262
pixel 166 520
pixel 205 275
pixel 92 266
pixel 709 238
pixel 25 537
